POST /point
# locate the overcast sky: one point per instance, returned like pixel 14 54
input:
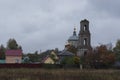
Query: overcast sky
pixel 47 24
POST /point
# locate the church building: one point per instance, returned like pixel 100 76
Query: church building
pixel 82 41
pixel 73 40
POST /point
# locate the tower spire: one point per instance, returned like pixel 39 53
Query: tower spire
pixel 74 32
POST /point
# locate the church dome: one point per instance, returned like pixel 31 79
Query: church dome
pixel 74 37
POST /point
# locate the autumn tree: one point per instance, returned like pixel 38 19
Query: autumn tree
pixel 105 56
pixel 101 55
pixel 76 60
pixel 72 49
pixel 12 44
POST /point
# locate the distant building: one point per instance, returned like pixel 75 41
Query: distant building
pixel 73 40
pixel 48 60
pixel 82 41
pixel 13 56
pixel 65 54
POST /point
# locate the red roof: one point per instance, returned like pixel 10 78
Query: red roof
pixel 13 52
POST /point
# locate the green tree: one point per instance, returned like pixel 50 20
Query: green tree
pixel 34 57
pixel 2 52
pixel 116 50
pixel 68 60
pixel 12 44
pixel 56 50
pixel 53 57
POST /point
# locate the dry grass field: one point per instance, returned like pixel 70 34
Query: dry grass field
pixel 58 74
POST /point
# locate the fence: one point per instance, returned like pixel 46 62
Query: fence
pixel 49 66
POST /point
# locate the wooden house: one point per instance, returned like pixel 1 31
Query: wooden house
pixel 13 56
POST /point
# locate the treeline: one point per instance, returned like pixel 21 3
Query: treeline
pixel 102 55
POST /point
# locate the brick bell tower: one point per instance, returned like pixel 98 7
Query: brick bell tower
pixel 84 40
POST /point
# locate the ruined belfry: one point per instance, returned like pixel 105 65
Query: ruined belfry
pixel 83 40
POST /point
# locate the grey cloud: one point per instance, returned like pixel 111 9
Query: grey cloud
pixel 46 24
pixel 109 6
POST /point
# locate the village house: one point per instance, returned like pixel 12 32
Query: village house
pixel 13 56
pixel 48 60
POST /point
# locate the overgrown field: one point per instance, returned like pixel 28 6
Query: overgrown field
pixel 58 74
